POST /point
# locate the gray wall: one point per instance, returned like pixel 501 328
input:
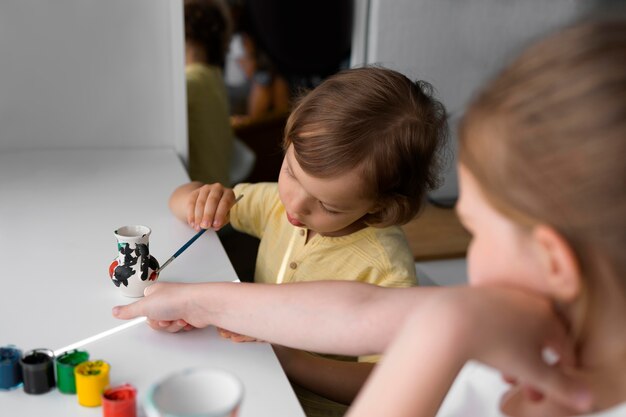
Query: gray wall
pixel 458 44
pixel 92 73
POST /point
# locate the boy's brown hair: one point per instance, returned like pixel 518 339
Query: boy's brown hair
pixel 546 141
pixel 379 121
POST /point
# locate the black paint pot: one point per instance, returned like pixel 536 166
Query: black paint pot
pixel 38 371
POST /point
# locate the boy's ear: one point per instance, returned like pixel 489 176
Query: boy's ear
pixel 559 264
pixel 375 208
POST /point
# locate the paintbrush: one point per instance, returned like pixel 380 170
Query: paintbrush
pixel 186 245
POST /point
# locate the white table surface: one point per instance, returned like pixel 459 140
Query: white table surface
pixel 58 211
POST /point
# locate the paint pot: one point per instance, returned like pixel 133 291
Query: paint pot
pixel 202 392
pixel 10 368
pixel 65 365
pixel 38 371
pixel 134 269
pixel 92 378
pixel 120 401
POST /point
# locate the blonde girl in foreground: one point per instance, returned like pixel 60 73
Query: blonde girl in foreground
pixel 542 191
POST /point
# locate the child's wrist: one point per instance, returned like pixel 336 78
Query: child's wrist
pixel 194 313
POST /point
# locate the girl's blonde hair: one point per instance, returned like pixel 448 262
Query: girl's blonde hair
pixel 379 121
pixel 546 140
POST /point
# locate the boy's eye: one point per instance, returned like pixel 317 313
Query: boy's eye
pixel 328 210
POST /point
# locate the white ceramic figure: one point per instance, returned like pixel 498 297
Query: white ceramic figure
pixel 134 268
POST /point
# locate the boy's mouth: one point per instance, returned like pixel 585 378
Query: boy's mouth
pixel 294 221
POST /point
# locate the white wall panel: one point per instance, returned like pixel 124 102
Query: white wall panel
pixel 91 73
pixel 458 44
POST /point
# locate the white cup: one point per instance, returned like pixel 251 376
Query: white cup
pixel 198 392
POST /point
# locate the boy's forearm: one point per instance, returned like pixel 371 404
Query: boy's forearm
pixel 336 380
pixel 346 318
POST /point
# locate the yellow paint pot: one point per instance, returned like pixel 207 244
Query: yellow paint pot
pixel 92 378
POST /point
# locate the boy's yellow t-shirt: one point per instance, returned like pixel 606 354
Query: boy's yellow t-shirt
pixel 372 255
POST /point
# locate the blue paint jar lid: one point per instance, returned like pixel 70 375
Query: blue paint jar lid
pixel 10 368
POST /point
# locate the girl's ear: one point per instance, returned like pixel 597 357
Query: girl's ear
pixel 559 264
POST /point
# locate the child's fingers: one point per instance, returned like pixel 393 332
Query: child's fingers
pixel 226 334
pixel 532 394
pixel 191 206
pixel 197 198
pixel 179 325
pixel 171 326
pixel 239 338
pixel 551 380
pixel 129 311
pixel 224 206
pixel 509 379
pixel 529 391
pixel 235 337
pixel 154 324
pixel 205 207
pixel 206 214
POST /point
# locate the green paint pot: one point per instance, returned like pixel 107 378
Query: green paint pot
pixel 66 363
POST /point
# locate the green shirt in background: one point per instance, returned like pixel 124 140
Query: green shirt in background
pixel 208 120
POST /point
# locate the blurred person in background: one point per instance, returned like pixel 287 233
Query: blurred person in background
pixel 207 35
pixel 289 47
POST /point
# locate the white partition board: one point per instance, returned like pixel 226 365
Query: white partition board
pixel 92 73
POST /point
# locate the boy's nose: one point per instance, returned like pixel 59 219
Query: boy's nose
pixel 299 205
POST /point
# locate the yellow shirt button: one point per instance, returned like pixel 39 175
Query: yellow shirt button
pixel 293 265
pixel 301 232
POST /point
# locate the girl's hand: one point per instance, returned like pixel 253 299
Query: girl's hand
pixel 208 206
pixel 166 306
pixel 512 331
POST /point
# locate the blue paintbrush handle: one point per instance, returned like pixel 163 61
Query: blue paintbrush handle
pixel 181 250
pixel 186 245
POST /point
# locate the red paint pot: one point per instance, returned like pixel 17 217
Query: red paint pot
pixel 120 401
